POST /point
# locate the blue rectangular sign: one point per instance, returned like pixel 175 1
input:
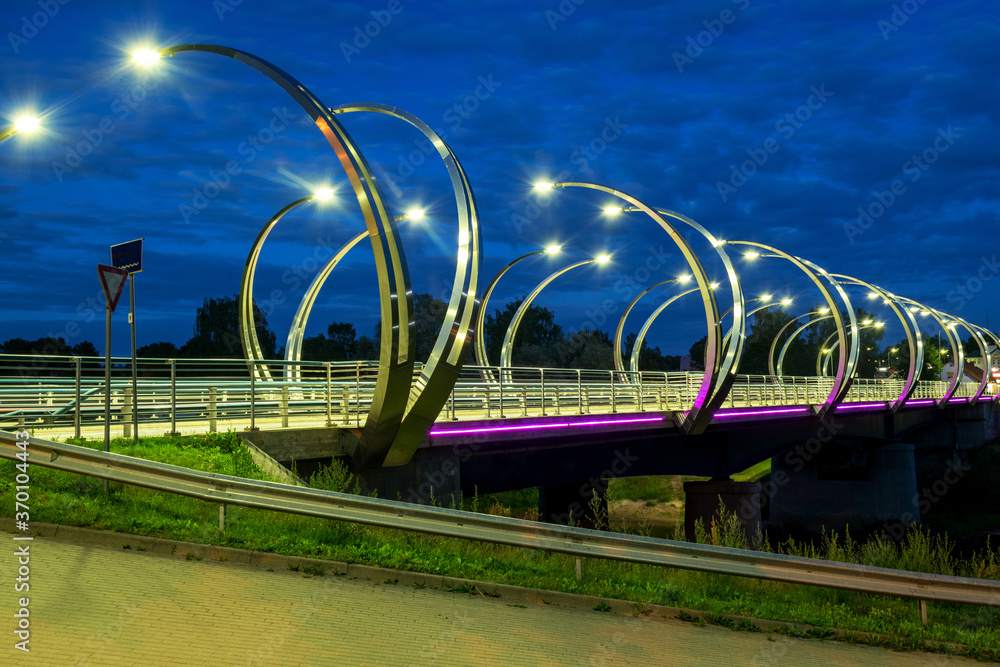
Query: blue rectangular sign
pixel 127 256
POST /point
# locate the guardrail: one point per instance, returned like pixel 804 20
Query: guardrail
pixel 580 542
pixel 68 393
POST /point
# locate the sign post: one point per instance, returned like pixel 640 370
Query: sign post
pixel 128 256
pixel 112 282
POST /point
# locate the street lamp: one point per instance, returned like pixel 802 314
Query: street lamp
pixel 617 345
pixel 248 330
pixel 480 344
pixel 21 124
pixel 506 352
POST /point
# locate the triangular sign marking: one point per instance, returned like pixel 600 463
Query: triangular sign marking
pixel 112 282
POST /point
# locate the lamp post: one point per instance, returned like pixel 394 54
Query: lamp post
pixel 482 358
pixel 619 331
pixel 506 352
pixel 248 329
pixel 390 401
pixel 297 331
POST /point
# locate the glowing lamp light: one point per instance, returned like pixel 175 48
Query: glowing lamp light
pixel 602 259
pixel 823 311
pixel 872 295
pixel 752 255
pixel 541 187
pixel 415 214
pixel 26 124
pixel 683 279
pixel 553 249
pixel 866 321
pixel 612 210
pixel 786 302
pixel 323 194
pixel 146 57
pixel 714 285
pixel 765 297
pixel 880 324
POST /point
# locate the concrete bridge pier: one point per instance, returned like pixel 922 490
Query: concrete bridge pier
pixel 702 502
pixel 841 483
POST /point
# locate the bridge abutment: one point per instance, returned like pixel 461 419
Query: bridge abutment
pixel 702 502
pixel 432 476
pixel 845 484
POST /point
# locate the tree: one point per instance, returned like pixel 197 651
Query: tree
pixel 85 349
pixel 650 359
pixel 217 331
pixel 160 350
pixel 344 335
pixel 537 335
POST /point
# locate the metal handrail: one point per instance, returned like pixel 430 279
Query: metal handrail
pixel 228 490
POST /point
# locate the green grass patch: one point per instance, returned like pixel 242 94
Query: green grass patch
pixel 65 498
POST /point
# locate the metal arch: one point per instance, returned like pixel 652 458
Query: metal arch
pixel 988 361
pixel 633 364
pixel 619 362
pixel 507 351
pixel 911 328
pixel 729 334
pixel 480 343
pixel 296 334
pixel 702 409
pixel 845 363
pixel 826 362
pixel 784 348
pixel 980 343
pixel 983 349
pixel 770 354
pixel 955 346
pixel 395 371
pixel 248 328
pixel 439 373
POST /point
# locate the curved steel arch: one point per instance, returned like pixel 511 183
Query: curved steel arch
pixel 728 358
pixel 845 363
pixel 700 414
pixel 953 343
pixel 825 363
pixel 619 362
pixel 396 296
pixel 430 391
pixel 911 328
pixel 983 349
pixel 784 348
pixel 507 351
pixel 633 363
pixel 248 329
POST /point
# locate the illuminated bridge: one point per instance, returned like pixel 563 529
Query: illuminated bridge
pixel 407 425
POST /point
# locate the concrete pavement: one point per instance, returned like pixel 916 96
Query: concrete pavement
pixel 94 605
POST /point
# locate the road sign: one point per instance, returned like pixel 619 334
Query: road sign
pixel 112 282
pixel 127 256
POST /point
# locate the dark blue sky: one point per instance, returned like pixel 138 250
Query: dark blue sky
pixel 772 122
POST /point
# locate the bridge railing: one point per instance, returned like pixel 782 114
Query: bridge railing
pixel 66 394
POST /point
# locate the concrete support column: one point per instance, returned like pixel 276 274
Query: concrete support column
pixel 702 502
pixel 566 501
pixel 834 486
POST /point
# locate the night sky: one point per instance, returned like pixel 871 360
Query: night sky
pixel 860 135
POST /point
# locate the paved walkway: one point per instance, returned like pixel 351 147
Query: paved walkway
pixel 92 605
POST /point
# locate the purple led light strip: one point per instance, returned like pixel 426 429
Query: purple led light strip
pixel 859 406
pixel 529 427
pixel 920 402
pixel 777 411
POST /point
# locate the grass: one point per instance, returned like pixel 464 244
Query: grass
pixel 64 498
